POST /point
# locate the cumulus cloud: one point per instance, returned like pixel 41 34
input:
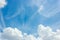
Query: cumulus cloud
pixel 2 3
pixel 11 34
pixel 44 33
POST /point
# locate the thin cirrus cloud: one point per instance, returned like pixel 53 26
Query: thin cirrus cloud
pixel 44 33
pixel 2 4
pixel 36 3
pixel 18 12
pixel 50 8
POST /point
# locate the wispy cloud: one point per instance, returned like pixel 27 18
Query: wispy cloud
pixel 41 8
pixel 49 9
pixel 36 3
pixel 2 4
pixel 19 10
pixel 44 33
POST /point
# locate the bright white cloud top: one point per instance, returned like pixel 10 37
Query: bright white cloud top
pixel 44 33
pixel 2 3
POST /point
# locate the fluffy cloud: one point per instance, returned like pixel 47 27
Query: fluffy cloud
pixel 2 3
pixel 44 33
pixel 11 34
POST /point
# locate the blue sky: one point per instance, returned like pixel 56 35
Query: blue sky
pixel 26 15
pixel 29 19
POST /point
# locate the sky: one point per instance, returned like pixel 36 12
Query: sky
pixel 26 15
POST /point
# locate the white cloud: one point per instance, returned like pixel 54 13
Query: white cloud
pixel 2 3
pixel 44 33
pixel 11 34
